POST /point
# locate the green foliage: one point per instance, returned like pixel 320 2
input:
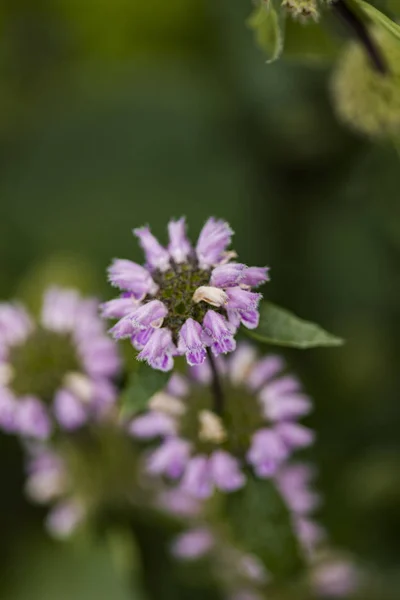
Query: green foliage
pixel 261 524
pixel 378 17
pixel 268 23
pixel 309 42
pixel 282 328
pixel 142 384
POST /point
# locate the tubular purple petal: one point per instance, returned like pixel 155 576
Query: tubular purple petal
pixel 213 240
pixel 159 350
pixel 191 344
pixel 228 275
pixel 157 257
pixel 218 333
pixel 179 246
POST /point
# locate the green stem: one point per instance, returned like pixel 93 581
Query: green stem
pixel 216 385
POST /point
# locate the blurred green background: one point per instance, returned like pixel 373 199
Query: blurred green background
pixel 116 113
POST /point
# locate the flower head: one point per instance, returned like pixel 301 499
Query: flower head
pixel 57 370
pixel 184 299
pixel 302 10
pixel 257 426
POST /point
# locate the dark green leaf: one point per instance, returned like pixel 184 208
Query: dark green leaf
pixel 262 524
pixel 268 23
pixel 282 328
pixel 143 383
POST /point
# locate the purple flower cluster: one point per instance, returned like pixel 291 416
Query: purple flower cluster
pixel 258 426
pixel 184 299
pixel 57 369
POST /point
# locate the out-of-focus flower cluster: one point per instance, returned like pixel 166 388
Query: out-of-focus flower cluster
pixel 56 371
pixel 196 441
pixel 257 425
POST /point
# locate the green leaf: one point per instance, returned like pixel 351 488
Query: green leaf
pixel 282 328
pixel 262 524
pixel 143 383
pixel 311 42
pixel 377 17
pixel 268 23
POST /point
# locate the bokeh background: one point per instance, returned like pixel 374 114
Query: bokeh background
pixel 117 113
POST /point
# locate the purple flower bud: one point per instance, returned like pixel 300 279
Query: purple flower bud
pixel 226 472
pixel 148 315
pixel 253 569
pixel 170 458
pixel 279 387
pixel 179 246
pixel 8 408
pixel 213 240
pixel 242 307
pixel 241 362
pixel 140 338
pixel 123 329
pixel 159 350
pixel 310 533
pixel 69 411
pixel 228 275
pixel 31 418
pixel 254 276
pixel 99 357
pixel 295 436
pixel 175 501
pixel 242 300
pixel 178 386
pixel 197 480
pixel 64 519
pixel 267 452
pixel 218 333
pixel 59 312
pixel 286 407
pixel 157 257
pixel 118 308
pixel 15 324
pixel 337 578
pixel 132 277
pixel 190 342
pixel 193 544
pixel 264 370
pixel 293 483
pixel 151 425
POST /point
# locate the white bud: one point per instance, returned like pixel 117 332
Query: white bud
pixel 6 374
pixel 227 256
pixel 211 427
pixel 163 402
pixel 46 486
pixel 212 295
pixel 241 363
pixel 79 385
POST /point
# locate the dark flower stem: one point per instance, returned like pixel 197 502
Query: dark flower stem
pixel 216 386
pixel 360 31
